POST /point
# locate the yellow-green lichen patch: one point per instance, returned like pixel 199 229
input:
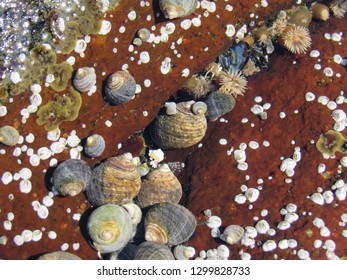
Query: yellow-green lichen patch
pixel 60 109
pixel 62 73
pixel 331 142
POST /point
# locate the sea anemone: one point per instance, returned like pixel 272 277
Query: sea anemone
pixel 339 8
pixel 296 39
pixel 198 86
pixel 214 69
pixel 233 83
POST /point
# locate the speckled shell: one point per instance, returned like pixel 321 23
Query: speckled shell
pixel 153 251
pixel 110 228
pixel 181 130
pixel 71 177
pixel 177 8
pixel 94 146
pixel 218 104
pixel 9 135
pixel 232 234
pixel 169 223
pixel 115 180
pixel 120 88
pixel 160 185
pixel 58 255
pixel 85 79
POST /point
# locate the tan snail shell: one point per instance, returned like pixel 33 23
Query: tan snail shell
pixel 58 255
pixel 160 185
pixel 169 223
pixel 177 8
pixel 120 88
pixel 85 79
pixel 110 228
pixel 181 130
pixel 94 146
pixel 9 135
pixel 71 177
pixel 153 251
pixel 115 180
pixel 232 234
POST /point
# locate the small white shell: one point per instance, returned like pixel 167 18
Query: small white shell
pixel 324 231
pixel 262 226
pixel 338 115
pixel 247 241
pixel 232 234
pixel 317 198
pixel 328 197
pixel 269 245
pixel 214 222
pixel 251 232
pixel 303 254
pixel 223 252
pixel 283 225
pixel 343 161
pixel 318 222
pixel 291 217
pixel 240 198
pixel 283 244
pixel 252 194
pixel 215 232
pixel 291 207
pixel 240 155
pixel 287 163
pixel 182 252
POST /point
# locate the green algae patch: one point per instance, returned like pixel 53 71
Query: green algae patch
pixel 62 74
pixel 331 142
pixel 69 38
pixel 60 109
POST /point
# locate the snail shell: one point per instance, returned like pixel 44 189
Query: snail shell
pixel 134 212
pixel 169 223
pixel 182 252
pixel 177 8
pixel 153 251
pixel 84 79
pixel 9 135
pixel 160 185
pixel 181 130
pixel 115 180
pixel 58 255
pixel 120 88
pixel 127 253
pixel 144 34
pixel 110 228
pixel 94 146
pixel 218 104
pixel 71 177
pixel 232 234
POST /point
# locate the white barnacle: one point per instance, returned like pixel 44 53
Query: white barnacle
pixel 317 198
pixel 165 67
pixel 230 30
pixel 283 244
pixel 214 222
pixel 283 225
pixel 303 254
pixel 240 198
pixel 25 186
pixel 287 163
pixel 240 155
pixel 6 178
pixel 269 245
pixel 105 27
pixel 262 226
pixel 252 194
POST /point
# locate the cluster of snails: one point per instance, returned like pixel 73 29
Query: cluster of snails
pixel 127 206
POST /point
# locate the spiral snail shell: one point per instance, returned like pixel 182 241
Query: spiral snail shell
pixel 71 177
pixel 160 185
pixel 120 88
pixel 153 251
pixel 180 130
pixel 94 146
pixel 85 79
pixel 169 223
pixel 9 135
pixel 232 234
pixel 177 8
pixel 115 180
pixel 218 104
pixel 110 228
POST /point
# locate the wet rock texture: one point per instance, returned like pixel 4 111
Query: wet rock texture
pixel 211 178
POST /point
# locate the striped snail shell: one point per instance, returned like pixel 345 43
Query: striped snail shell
pixel 180 130
pixel 115 180
pixel 160 185
pixel 120 88
pixel 94 146
pixel 153 251
pixel 71 177
pixel 127 253
pixel 110 228
pixel 169 223
pixel 9 135
pixel 58 255
pixel 85 79
pixel 177 8
pixel 218 104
